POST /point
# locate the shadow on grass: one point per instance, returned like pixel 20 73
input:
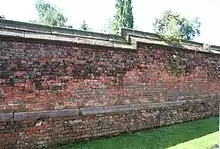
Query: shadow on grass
pixel 160 138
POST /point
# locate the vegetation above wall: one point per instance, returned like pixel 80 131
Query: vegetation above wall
pixel 173 28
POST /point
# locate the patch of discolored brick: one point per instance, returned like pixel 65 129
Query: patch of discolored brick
pixel 39 76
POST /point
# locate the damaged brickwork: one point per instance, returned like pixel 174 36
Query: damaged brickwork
pixel 57 88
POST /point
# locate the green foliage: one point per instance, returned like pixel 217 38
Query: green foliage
pixel 175 65
pixel 30 75
pixel 84 26
pixel 37 85
pixel 124 16
pixel 12 81
pixel 173 28
pixel 49 15
pixel 71 99
pixel 129 18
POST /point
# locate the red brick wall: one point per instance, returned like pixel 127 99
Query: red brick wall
pixel 37 76
pixel 52 128
pixel 157 86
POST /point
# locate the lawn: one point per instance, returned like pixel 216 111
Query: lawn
pixel 200 134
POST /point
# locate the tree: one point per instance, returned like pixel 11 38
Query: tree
pixel 84 26
pixel 124 16
pixel 129 19
pixel 49 14
pixel 174 28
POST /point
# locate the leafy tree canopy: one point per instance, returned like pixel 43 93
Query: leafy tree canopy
pixel 49 14
pixel 174 28
pixel 124 15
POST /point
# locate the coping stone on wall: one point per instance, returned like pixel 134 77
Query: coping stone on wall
pixel 128 39
pixel 124 108
pixel 23 26
pixel 87 34
pixel 205 99
pixel 45 114
pixel 191 47
pixel 6 116
pixel 96 110
pixel 58 31
pixel 74 36
pixel 86 111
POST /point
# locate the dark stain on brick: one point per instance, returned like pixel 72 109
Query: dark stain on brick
pixel 38 85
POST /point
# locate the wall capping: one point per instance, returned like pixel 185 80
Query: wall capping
pixel 45 114
pixel 6 116
pixel 128 38
pixel 18 116
pixel 135 107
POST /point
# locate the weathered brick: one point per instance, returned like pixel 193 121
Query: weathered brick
pixel 57 93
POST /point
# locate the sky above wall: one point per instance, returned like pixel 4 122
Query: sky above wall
pixel 97 12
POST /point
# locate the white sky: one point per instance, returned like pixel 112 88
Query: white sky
pixel 96 13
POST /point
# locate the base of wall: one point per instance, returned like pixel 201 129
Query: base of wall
pixel 47 129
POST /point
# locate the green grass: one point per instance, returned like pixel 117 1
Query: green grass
pixel 200 134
